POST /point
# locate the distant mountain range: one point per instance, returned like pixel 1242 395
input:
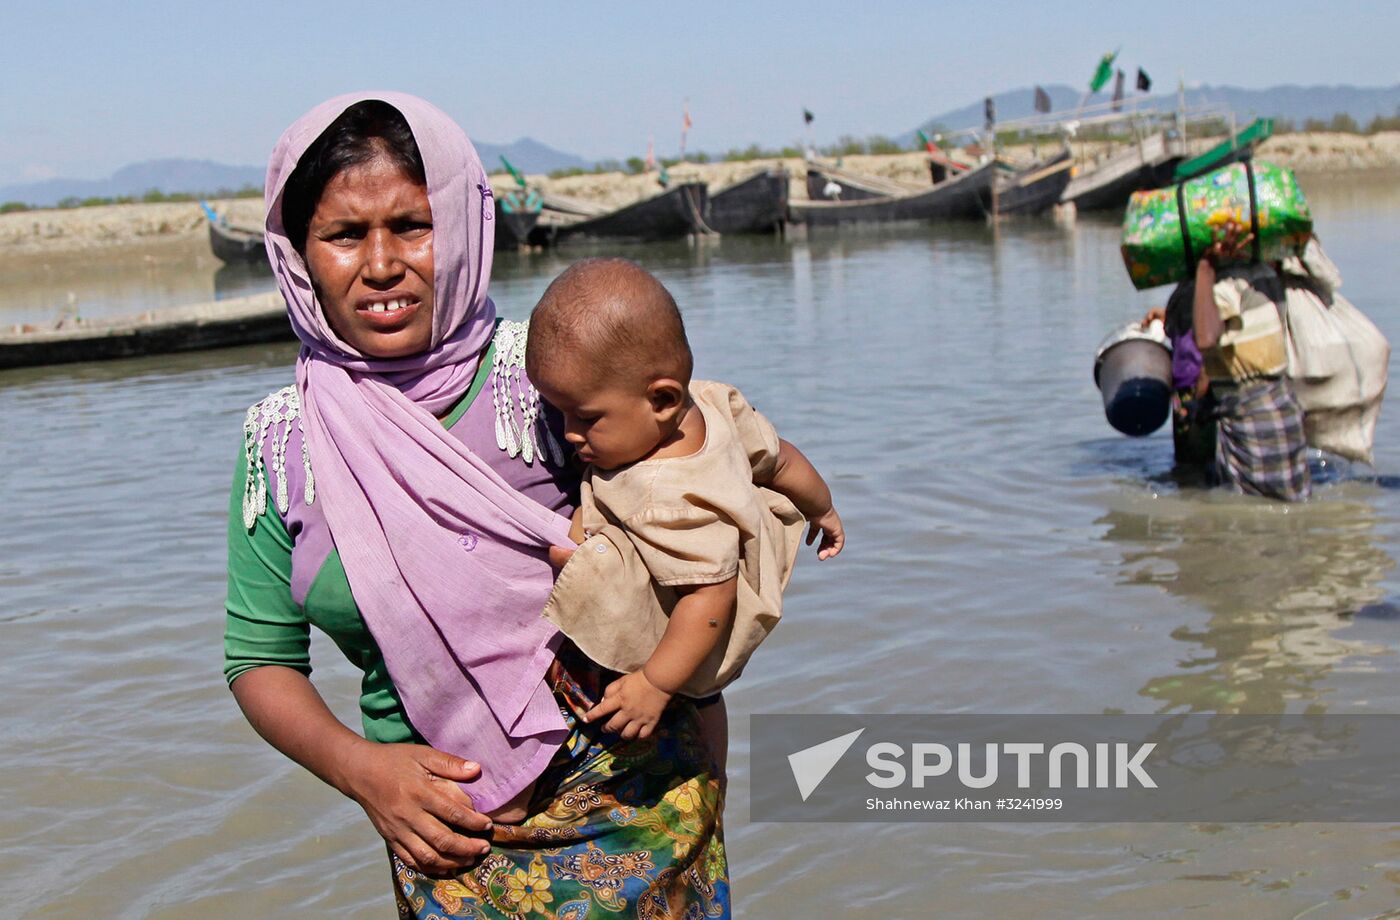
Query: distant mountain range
pixel 195 176
pixel 529 156
pixel 207 177
pixel 1296 103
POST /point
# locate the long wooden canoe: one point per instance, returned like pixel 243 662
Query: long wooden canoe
pixel 516 214
pixel 1111 183
pixel 233 242
pixel 675 213
pixel 1037 188
pixel 563 204
pixel 968 195
pixel 1230 150
pixel 854 186
pixel 238 321
pixel 754 204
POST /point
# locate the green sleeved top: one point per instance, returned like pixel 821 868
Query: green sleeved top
pixel 266 626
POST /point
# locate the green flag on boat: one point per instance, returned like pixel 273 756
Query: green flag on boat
pixel 1104 73
pixel 515 173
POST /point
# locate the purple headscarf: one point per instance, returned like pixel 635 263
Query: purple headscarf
pixel 446 561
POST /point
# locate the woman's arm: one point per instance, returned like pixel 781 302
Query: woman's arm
pixel 795 477
pixel 1205 315
pixel 635 701
pixel 1230 242
pixel 409 791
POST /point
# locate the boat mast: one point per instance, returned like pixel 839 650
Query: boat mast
pixel 1181 113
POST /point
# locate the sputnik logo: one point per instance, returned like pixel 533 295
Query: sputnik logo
pixel 811 765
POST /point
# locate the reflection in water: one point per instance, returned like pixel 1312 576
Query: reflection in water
pixel 238 279
pixel 149 369
pixel 1276 584
pixel 43 289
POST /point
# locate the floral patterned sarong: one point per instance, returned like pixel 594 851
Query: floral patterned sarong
pixel 616 828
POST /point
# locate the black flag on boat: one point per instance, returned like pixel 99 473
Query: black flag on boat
pixel 1144 82
pixel 1118 91
pixel 1042 100
pixel 807 115
pixel 989 109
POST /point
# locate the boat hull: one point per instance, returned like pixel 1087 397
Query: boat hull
pixel 1037 189
pixel 243 321
pixel 854 186
pixel 515 216
pixel 673 214
pixel 757 204
pixel 1109 185
pixel 851 188
pixel 1233 150
pixel 236 244
pixel 968 196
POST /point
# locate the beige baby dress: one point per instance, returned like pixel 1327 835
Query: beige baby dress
pixel 673 521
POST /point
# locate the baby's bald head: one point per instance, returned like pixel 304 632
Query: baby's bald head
pixel 611 319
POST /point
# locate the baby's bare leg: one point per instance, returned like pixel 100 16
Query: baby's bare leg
pixel 514 811
pixel 714 730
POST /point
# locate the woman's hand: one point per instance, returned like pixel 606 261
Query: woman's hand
pixel 634 703
pixel 1154 315
pixel 410 793
pixel 833 534
pixel 1230 241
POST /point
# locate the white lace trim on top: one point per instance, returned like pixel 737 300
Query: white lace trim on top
pixel 275 415
pixel 518 433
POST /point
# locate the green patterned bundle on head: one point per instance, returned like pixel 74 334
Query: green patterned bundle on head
pixel 1165 230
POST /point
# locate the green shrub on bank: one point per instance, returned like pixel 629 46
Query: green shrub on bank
pixel 845 146
pixel 153 196
pixel 1341 123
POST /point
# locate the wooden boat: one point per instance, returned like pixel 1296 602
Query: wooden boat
pixel 676 212
pixel 1035 189
pixel 234 242
pixel 854 186
pixel 968 195
pixel 1230 150
pixel 1109 184
pixel 563 204
pixel 517 212
pixel 754 204
pixel 240 321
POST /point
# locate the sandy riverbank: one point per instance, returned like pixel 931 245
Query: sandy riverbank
pixel 25 234
pixel 77 230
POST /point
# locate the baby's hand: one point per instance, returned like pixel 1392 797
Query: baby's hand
pixel 832 533
pixel 635 704
pixel 559 556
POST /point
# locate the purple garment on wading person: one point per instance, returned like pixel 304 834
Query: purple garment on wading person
pixel 1186 361
pixel 461 632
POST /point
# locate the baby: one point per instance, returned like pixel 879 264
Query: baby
pixel 691 509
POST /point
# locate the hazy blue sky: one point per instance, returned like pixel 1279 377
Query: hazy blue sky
pixel 92 86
